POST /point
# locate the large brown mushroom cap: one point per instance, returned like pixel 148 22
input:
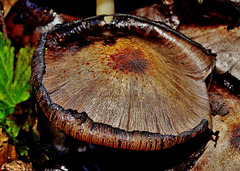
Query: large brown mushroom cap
pixel 131 83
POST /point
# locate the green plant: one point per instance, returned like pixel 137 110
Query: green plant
pixel 15 87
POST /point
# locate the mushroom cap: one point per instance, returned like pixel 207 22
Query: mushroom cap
pixel 132 83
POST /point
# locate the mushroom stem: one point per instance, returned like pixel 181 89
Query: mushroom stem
pixel 105 7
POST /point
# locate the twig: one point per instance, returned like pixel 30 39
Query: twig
pixel 4 29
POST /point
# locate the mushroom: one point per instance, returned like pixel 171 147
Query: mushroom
pixel 105 7
pixel 131 83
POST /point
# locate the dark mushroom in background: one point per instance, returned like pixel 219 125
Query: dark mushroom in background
pixel 132 83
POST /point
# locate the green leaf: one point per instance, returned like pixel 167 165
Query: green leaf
pixel 5 110
pixel 14 85
pixel 24 151
pixel 22 75
pixel 13 127
pixel 6 71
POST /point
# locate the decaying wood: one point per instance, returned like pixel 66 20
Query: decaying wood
pixel 17 165
pixel 225 155
pixel 133 84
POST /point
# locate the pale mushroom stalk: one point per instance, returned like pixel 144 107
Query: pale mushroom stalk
pixel 105 7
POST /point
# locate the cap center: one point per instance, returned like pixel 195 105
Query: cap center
pixel 129 60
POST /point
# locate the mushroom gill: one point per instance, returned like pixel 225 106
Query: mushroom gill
pixel 123 84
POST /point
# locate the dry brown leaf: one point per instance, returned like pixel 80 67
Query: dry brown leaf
pixel 7 5
pixel 7 151
pixel 221 41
